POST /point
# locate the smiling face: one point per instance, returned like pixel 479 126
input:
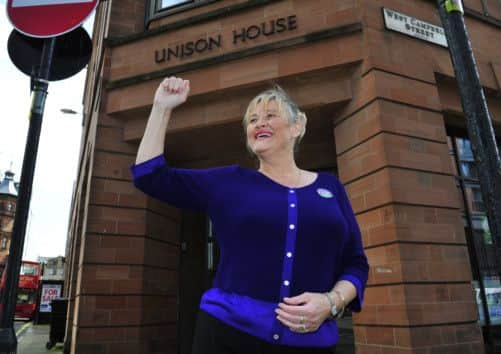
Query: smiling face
pixel 273 124
pixel 268 129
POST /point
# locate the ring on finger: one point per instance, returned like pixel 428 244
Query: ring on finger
pixel 301 320
pixel 303 328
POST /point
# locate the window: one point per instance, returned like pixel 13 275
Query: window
pixel 159 8
pixel 486 279
pixel 163 4
pixel 26 296
pixel 477 203
pixel 7 210
pixel 29 269
pixel 7 206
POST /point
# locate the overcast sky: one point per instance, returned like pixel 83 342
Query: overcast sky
pixel 58 151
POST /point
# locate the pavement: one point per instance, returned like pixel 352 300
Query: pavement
pixel 32 339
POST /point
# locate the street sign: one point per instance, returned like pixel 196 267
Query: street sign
pixel 71 54
pixel 48 18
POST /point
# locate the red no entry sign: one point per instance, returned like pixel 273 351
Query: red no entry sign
pixel 48 18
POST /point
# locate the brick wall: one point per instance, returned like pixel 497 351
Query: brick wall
pixel 127 17
pixel 397 174
pixel 126 282
pixel 393 159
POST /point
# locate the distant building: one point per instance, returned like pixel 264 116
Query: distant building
pixel 53 267
pixel 8 201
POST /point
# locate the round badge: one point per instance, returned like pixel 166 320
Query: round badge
pixel 324 193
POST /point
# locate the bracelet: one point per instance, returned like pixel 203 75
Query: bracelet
pixel 332 303
pixel 343 303
pixel 338 293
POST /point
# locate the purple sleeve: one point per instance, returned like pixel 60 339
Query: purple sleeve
pixel 356 267
pixel 182 188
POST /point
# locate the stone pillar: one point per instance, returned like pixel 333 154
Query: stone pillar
pixel 393 160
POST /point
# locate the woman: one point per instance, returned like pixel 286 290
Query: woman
pixel 291 255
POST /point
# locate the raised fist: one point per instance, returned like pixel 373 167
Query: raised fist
pixel 171 93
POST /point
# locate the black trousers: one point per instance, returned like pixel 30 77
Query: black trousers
pixel 215 337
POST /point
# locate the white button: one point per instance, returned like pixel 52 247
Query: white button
pixel 286 283
pixel 293 205
pixel 291 191
pixel 276 336
pixel 289 254
pixel 292 226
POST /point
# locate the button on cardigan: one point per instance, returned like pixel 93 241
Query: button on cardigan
pixel 274 242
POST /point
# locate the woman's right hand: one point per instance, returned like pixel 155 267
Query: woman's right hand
pixel 171 93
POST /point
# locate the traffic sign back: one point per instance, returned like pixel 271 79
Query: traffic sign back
pixel 48 18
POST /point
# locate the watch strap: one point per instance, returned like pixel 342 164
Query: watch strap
pixel 332 305
pixel 343 303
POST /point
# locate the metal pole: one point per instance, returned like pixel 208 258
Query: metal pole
pixel 8 341
pixel 478 121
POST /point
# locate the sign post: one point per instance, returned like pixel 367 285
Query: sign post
pixel 43 19
pixel 41 84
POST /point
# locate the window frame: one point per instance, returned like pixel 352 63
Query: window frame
pixel 155 12
pixel 475 254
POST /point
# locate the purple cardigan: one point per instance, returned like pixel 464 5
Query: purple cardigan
pixel 274 242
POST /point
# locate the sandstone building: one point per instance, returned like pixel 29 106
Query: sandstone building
pixel 376 82
pixel 8 201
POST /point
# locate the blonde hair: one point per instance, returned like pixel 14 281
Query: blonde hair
pixel 286 107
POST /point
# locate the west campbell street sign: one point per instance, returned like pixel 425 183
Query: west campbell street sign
pixel 48 18
pixel 413 27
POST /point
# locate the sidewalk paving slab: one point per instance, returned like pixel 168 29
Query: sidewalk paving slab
pixel 33 339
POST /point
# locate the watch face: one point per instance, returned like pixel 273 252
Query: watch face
pixel 334 311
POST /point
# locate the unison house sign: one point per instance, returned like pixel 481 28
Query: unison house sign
pixel 396 21
pixel 48 18
pixel 238 36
